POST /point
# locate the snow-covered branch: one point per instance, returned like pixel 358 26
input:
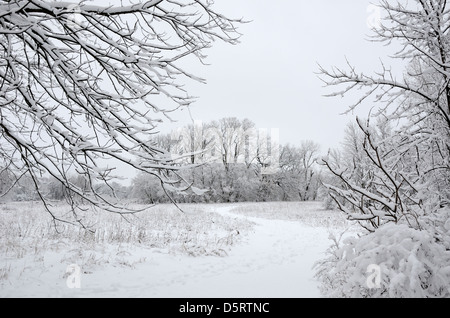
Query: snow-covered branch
pixel 84 83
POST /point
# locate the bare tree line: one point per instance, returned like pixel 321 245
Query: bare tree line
pixel 220 163
pixel 232 161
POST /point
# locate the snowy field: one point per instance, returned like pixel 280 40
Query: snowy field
pixel 224 250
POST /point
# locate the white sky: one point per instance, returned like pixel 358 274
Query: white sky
pixel 270 77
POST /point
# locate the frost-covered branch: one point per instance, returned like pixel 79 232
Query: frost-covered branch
pixel 385 193
pixel 421 28
pixel 83 86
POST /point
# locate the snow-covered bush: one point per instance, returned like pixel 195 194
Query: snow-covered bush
pixel 410 263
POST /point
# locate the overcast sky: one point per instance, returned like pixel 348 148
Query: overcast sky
pixel 270 77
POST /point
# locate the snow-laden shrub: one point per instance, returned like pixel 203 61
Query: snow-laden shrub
pixel 407 261
pixel 438 224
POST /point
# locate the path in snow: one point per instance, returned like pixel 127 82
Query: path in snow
pixel 275 260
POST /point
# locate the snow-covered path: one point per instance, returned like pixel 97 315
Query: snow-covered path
pixel 273 261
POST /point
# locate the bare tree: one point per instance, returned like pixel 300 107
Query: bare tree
pixel 298 177
pixel 82 83
pixel 309 151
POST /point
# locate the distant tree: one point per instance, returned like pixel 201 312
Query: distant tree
pixel 290 171
pixel 147 189
pixel 309 152
pixel 81 84
pixel 55 190
pixel 298 176
pixel 7 182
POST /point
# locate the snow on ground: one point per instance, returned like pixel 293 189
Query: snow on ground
pixel 274 259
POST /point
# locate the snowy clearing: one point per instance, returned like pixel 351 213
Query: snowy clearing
pixel 236 250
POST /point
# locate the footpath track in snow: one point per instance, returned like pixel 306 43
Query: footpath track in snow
pixel 275 260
